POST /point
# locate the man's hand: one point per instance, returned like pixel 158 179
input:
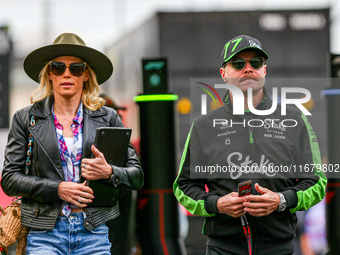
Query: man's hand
pixel 75 193
pixel 231 204
pixel 95 168
pixel 265 204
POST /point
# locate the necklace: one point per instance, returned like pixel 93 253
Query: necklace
pixel 65 118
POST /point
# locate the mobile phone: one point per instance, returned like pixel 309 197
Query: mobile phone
pixel 245 188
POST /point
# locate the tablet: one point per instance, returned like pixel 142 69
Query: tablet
pixel 113 142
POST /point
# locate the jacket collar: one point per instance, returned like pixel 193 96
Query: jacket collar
pixel 42 109
pixel 44 131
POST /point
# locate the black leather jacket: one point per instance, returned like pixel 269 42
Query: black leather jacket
pixel 41 204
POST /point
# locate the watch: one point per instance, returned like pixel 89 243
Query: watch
pixel 282 203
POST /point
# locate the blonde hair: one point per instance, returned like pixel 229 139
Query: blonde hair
pixel 90 96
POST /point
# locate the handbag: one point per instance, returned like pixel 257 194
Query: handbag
pixel 11 230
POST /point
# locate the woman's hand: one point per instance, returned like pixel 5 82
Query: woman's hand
pixel 95 168
pixel 75 193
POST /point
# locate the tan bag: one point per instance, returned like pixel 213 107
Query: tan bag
pixel 11 230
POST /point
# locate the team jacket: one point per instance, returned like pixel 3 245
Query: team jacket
pixel 223 150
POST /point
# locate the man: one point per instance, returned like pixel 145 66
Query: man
pixel 235 151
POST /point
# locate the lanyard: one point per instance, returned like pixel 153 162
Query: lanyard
pixel 247 233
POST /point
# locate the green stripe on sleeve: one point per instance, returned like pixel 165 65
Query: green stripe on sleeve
pixel 195 207
pixel 316 193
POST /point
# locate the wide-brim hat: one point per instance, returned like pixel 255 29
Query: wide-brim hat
pixel 242 43
pixel 68 44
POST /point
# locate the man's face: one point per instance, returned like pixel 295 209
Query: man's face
pixel 248 76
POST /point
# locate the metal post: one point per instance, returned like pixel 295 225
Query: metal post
pixel 157 212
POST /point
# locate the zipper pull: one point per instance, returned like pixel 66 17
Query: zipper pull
pixel 37 212
pixel 251 140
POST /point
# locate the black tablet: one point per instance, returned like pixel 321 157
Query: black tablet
pixel 113 142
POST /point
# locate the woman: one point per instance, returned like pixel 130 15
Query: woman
pixel 66 112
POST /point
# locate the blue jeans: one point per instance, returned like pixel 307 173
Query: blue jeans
pixel 69 237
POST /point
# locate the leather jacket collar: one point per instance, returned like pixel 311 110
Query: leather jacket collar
pixel 43 131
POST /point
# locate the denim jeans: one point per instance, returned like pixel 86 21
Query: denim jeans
pixel 69 237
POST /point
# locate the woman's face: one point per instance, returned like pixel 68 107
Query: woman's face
pixel 67 85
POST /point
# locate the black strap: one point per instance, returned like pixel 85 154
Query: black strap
pixel 247 233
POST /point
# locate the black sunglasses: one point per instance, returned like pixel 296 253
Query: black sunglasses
pixel 58 68
pixel 240 63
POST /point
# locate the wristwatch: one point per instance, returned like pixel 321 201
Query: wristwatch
pixel 282 203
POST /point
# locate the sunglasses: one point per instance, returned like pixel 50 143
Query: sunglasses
pixel 58 68
pixel 240 63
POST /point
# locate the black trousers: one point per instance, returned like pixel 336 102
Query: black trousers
pixel 259 248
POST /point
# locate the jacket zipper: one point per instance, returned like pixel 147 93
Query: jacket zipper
pixel 37 169
pixel 37 211
pixel 251 140
pixel 36 160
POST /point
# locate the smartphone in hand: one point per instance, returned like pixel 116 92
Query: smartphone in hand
pixel 245 188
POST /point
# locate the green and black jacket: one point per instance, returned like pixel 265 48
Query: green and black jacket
pixel 254 142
